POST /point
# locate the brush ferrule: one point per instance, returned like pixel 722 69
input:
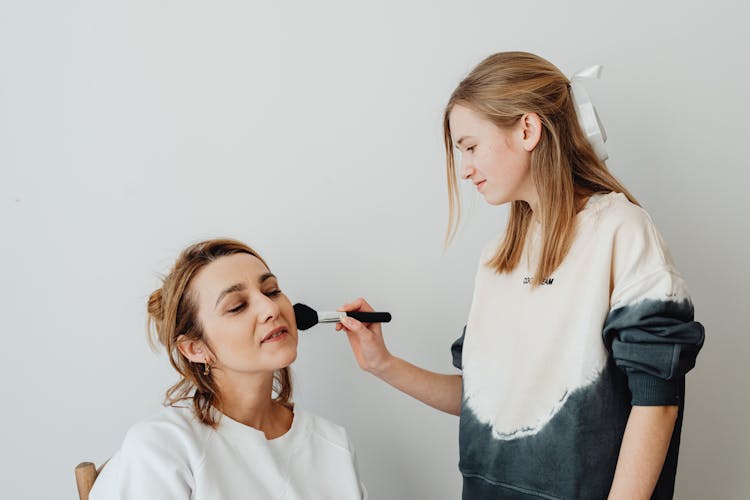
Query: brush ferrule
pixel 330 316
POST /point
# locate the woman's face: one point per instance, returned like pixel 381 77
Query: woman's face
pixel 248 322
pixel 497 161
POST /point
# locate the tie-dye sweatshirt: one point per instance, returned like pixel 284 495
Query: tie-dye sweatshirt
pixel 550 373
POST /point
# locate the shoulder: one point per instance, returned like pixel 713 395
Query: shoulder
pixel 616 211
pixel 157 459
pixel 641 262
pixel 325 430
pixel 630 228
pixel 174 428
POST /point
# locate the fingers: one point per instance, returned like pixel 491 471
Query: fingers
pixel 366 330
pixel 357 305
pixel 353 325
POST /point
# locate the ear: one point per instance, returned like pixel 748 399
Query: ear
pixel 194 350
pixel 531 130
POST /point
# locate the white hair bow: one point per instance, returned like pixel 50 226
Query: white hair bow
pixel 587 115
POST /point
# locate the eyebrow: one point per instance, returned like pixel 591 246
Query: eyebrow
pixel 458 142
pixel 239 287
pixel 264 277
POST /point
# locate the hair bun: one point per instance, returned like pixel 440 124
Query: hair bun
pixel 155 306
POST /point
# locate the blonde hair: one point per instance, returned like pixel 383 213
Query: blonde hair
pixel 564 167
pixel 172 313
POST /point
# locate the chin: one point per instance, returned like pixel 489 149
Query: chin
pixel 287 358
pixel 496 201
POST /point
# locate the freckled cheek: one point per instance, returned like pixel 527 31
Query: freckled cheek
pixel 504 153
pixel 490 164
pixel 237 338
pixel 483 155
pixel 236 348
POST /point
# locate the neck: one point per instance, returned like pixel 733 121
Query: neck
pixel 247 400
pixel 533 201
pixel 530 195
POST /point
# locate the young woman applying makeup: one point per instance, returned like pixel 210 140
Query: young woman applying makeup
pixel 580 331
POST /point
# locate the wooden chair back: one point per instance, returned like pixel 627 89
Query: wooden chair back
pixel 86 473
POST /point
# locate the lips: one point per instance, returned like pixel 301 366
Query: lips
pixel 480 184
pixel 275 334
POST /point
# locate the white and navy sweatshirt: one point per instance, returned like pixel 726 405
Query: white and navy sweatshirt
pixel 550 373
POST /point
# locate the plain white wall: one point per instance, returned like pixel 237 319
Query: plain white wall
pixel 312 131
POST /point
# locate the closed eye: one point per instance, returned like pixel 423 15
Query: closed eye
pixel 273 293
pixel 237 308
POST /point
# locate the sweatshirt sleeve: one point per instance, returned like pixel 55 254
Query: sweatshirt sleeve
pixel 148 465
pixel 650 330
pixel 457 350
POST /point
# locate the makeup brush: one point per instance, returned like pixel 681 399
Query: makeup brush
pixel 307 317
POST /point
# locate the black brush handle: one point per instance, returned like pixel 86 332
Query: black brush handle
pixel 370 317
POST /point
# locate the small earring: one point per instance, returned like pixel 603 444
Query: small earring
pixel 206 369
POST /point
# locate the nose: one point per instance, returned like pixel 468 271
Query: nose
pixel 268 309
pixel 467 169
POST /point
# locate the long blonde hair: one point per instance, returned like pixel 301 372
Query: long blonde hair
pixel 172 313
pixel 564 167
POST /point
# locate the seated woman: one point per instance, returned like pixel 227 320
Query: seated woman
pixel 229 429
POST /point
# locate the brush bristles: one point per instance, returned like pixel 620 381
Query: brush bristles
pixel 306 316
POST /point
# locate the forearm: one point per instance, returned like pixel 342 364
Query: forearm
pixel 438 390
pixel 442 392
pixel 643 450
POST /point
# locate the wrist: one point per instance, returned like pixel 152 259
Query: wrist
pixel 382 369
